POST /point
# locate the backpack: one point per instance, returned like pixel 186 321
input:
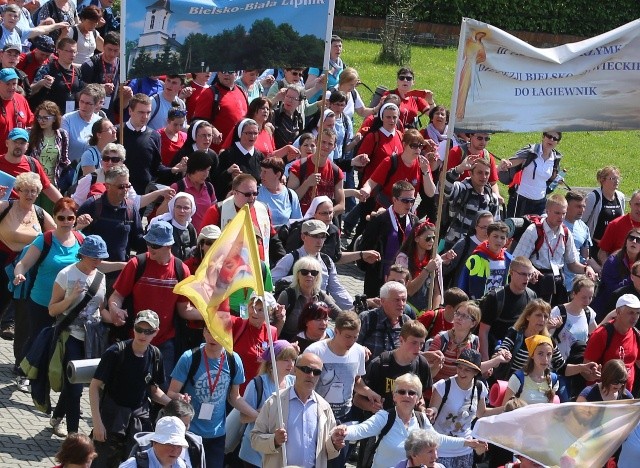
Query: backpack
pixel 517 227
pixel 563 315
pixel 182 187
pixel 196 358
pixel 98 208
pixel 512 178
pixel 367 459
pixel 444 341
pixel 501 294
pixel 156 98
pixel 76 34
pixel 520 374
pixel 611 331
pixel 92 190
pixel 17 30
pixel 477 387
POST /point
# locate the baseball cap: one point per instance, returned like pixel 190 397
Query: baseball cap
pixel 18 133
pixel 314 226
pixel 12 46
pixel 629 300
pixel 8 74
pixel 148 316
pixel 268 298
pixel 210 231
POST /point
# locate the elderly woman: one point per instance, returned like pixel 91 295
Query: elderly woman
pixel 69 288
pixel 257 393
pixel 413 102
pixel 407 390
pixel 612 385
pixel 260 111
pixel 421 448
pixel 304 288
pixel 21 221
pixel 103 132
pixel 93 184
pixel 182 207
pixel 604 204
pixel 313 324
pixel 241 157
pixel 208 235
pixel 538 165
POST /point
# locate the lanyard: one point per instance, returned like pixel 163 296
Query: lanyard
pixel 551 251
pixel 212 385
pixel 108 77
pixel 68 84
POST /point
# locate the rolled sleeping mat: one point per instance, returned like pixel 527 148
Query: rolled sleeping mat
pixel 81 371
pixel 498 389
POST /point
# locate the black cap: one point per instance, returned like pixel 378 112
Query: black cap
pixel 44 43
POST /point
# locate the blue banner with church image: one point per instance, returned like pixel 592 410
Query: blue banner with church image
pixel 179 36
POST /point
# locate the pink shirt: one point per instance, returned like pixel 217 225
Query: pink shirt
pixel 202 198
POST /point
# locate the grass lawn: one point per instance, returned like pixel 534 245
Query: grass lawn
pixel 584 152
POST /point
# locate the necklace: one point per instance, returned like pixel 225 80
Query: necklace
pixel 28 220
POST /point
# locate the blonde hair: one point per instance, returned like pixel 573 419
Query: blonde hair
pixel 533 306
pixel 607 171
pixel 27 180
pixel 556 199
pixel 307 263
pixel 409 379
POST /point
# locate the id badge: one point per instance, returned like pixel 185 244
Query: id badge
pixel 206 411
pixel 555 269
pixel 69 106
pixel 244 311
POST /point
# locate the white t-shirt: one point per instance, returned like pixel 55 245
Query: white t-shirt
pixel 86 44
pixel 576 329
pixel 536 188
pixel 338 375
pixel 67 279
pixel 454 419
pixel 532 392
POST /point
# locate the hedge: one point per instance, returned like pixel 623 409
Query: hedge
pixel 575 17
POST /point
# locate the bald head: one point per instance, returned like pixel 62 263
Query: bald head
pixel 309 359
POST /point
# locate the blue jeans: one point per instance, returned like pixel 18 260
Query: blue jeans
pixel 168 360
pixel 69 401
pixel 350 182
pixel 214 451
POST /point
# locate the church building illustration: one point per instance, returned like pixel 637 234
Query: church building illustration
pixel 155 36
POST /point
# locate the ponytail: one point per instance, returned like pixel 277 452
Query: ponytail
pixel 550 394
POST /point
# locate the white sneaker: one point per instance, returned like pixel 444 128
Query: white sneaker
pixel 23 384
pixel 59 426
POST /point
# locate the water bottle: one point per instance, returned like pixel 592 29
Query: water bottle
pixel 559 178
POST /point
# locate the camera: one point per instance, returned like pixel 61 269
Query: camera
pixel 360 303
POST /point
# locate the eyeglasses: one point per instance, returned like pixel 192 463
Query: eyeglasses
pixel 29 191
pixel 291 98
pixel 113 159
pixel 296 73
pixel 45 118
pixel 483 138
pixel 208 242
pixel 620 382
pixel 463 316
pixel 522 273
pixel 551 137
pixel 310 370
pixel 635 239
pixel 145 331
pixel 405 78
pixel 182 207
pixel 305 272
pixel 154 246
pixel 402 391
pixel 232 72
pixel 325 213
pixel 416 145
pixel 248 194
pixel 407 201
pixel 255 134
pixel 65 218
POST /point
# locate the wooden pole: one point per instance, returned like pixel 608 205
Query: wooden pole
pixel 316 157
pixel 123 66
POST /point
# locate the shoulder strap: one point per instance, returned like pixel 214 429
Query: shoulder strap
pixel 563 315
pixel 196 358
pixel 32 164
pixel 179 270
pixel 385 358
pixel 433 322
pixel 259 384
pixel 500 297
pixel 142 459
pixel 291 299
pixel 215 105
pixel 156 98
pixel 231 360
pixel 209 186
pixel 181 185
pixel 41 218
pixel 444 340
pixel 142 263
pixel 447 389
pixel 392 169
pixel 296 255
pixel 520 374
pixel 391 418
pixel 75 33
pixel 5 212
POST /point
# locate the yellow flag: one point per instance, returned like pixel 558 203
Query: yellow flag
pixel 232 263
pixel 568 435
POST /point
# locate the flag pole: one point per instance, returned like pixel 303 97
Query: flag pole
pixel 323 101
pixel 443 171
pixel 123 67
pixel 274 371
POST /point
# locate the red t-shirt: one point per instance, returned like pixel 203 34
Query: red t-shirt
pixel 410 107
pixel 21 167
pixel 265 143
pixel 455 158
pixel 29 65
pixel 16 113
pixel 250 345
pixel 154 290
pixel 328 180
pixel 368 121
pixel 624 347
pixel 440 324
pixel 168 148
pixel 377 152
pixel 192 100
pixel 212 216
pixel 412 174
pixel 616 233
pixel 232 109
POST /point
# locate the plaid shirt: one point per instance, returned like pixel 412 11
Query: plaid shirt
pixel 376 332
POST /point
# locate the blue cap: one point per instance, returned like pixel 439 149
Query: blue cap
pixel 160 233
pixel 18 133
pixel 8 74
pixel 94 247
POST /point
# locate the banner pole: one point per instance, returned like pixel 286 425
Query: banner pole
pixel 316 156
pixel 443 171
pixel 123 66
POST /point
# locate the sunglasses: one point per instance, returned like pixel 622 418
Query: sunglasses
pixel 305 272
pixel 310 370
pixel 416 145
pixel 405 78
pixel 407 200
pixel 113 159
pixel 208 242
pixel 122 186
pixel 551 137
pixel 403 392
pixel 430 238
pixel 296 73
pixel 45 117
pixel 635 239
pixel 145 331
pixel 232 72
pixel 481 138
pixel 154 246
pixel 248 194
pixel 65 218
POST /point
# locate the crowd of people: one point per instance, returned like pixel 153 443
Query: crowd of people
pixel 538 296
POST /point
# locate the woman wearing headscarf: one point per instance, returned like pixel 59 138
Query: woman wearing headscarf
pixel 182 207
pixel 199 137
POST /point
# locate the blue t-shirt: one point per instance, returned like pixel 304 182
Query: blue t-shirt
pixel 79 133
pixel 12 37
pixel 283 211
pixel 58 257
pixel 200 392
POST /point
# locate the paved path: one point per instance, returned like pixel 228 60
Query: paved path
pixel 26 438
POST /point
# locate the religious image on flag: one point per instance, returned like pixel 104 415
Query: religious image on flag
pixel 568 435
pixel 232 263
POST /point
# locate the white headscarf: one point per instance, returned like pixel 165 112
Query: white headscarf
pixel 311 212
pixel 168 217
